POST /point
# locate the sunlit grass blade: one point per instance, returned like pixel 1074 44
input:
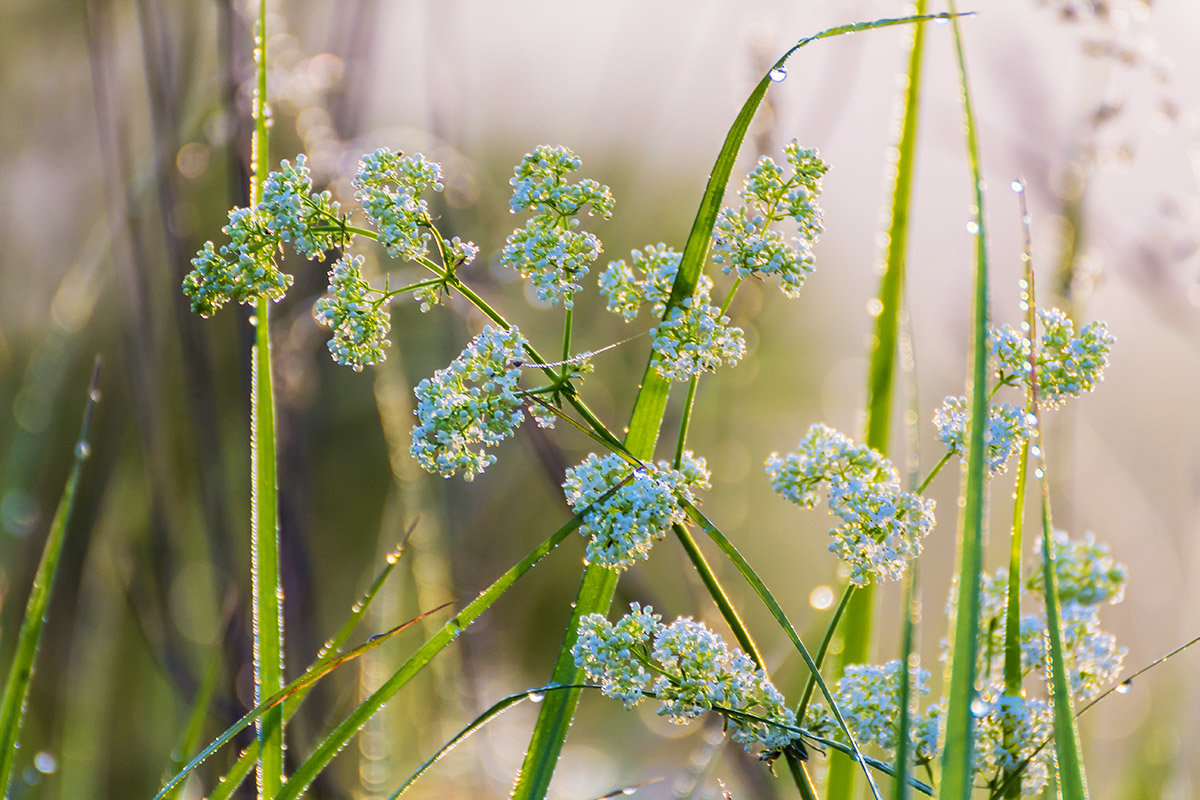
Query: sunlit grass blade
pixel 497 708
pixel 599 584
pixel 768 600
pixel 20 674
pixel 348 727
pixel 276 701
pixel 958 754
pixel 859 614
pixel 1071 780
pixel 190 739
pixel 331 650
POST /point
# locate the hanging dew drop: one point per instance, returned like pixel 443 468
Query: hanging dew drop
pixel 777 74
pixel 94 395
pixel 1017 186
pixel 536 697
pixel 83 450
pixel 1124 686
pixel 979 708
pixel 972 227
pixel 254 320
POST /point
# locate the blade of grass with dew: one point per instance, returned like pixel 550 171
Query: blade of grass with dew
pixel 20 674
pixel 277 700
pixel 599 583
pixel 859 615
pixel 340 736
pixel 768 599
pixel 331 650
pixel 497 708
pixel 958 753
pixel 266 591
pixel 190 739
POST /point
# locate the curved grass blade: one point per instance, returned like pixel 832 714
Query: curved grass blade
pixel 341 735
pixel 275 701
pixel 777 611
pixel 497 708
pixel 881 375
pixel 16 687
pixel 599 584
pixel 332 649
pixel 957 756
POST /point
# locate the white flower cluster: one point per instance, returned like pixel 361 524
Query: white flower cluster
pixel 695 337
pixel 744 242
pixel 242 271
pixel 308 220
pixel 647 501
pixel 388 186
pixel 1006 428
pixel 550 250
pixel 360 323
pixel 868 696
pixel 470 405
pixel 1067 365
pixel 883 526
pixel 689 668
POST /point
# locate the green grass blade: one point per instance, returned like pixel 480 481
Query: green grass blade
pixel 957 770
pixel 768 599
pixel 345 731
pixel 859 616
pixel 901 790
pixel 1071 780
pixel 599 584
pixel 331 650
pixel 266 594
pixel 497 708
pixel 20 674
pixel 276 701
pixel 195 727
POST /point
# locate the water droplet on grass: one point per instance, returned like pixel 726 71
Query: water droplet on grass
pixel 536 697
pixel 777 74
pixel 1124 686
pixel 83 450
pixel 979 708
pixel 972 227
pixel 1017 186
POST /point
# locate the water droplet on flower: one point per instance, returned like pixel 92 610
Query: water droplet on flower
pixel 979 708
pixel 1123 686
pixel 777 74
pixel 972 227
pixel 536 697
pixel 83 450
pixel 1017 186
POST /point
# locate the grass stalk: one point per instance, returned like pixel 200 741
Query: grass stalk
pixel 20 674
pixel 958 753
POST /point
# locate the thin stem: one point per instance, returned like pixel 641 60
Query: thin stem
pixel 264 503
pixel 823 648
pixel 568 319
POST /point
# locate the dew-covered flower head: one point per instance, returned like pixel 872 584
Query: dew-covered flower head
pixel 868 697
pixel 550 250
pixel 689 668
pixel 883 526
pixel 470 405
pixel 357 315
pixel 743 239
pixel 388 186
pixel 242 271
pixel 307 219
pixel 1007 427
pixel 1067 364
pixel 623 524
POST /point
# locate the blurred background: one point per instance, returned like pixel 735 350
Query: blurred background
pixel 123 142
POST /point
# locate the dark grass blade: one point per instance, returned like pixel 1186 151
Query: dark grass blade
pixel 958 754
pixel 20 675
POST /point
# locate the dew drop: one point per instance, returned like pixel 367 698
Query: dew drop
pixel 1031 420
pixel 393 557
pixel 253 320
pixel 629 790
pixel 83 450
pixel 972 227
pixel 777 74
pixel 536 697
pixel 979 708
pixel 1018 187
pixel 874 306
pixel 1124 686
pixel 45 763
pixel 1035 451
pixel 942 21
pixel 94 395
pixel 1039 473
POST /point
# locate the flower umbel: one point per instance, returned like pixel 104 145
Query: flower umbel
pixel 388 186
pixel 550 250
pixel 1067 365
pixel 470 405
pixel 689 668
pixel 624 525
pixel 1006 428
pixel 360 322
pixel 883 526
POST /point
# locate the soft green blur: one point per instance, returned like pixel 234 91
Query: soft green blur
pixel 119 140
